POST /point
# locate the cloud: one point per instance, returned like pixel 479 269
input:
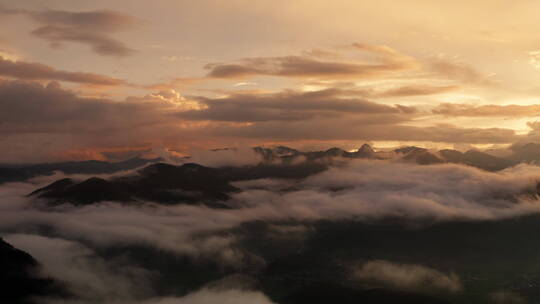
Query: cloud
pixel 64 124
pixel 38 71
pixel 94 279
pixel 287 106
pixel 346 88
pixel 453 109
pixel 460 72
pixel 408 277
pixel 92 28
pixel 28 107
pixel 416 90
pixel 87 275
pixel 503 297
pixel 209 296
pixel 372 127
pixel 307 66
pixel 361 190
pixel 59 120
pixel 244 84
pixel 368 190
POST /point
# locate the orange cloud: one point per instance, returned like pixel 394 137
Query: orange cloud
pixel 38 71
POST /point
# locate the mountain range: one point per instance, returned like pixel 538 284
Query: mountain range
pixel 192 183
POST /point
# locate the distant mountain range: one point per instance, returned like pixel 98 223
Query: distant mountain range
pixel 191 183
pixel 528 153
pixel 418 155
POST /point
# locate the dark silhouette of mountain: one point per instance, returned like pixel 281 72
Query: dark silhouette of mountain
pixel 289 155
pixel 409 149
pixel 365 151
pixel 486 161
pixel 471 158
pixel 89 191
pixel 22 173
pixel 453 156
pixel 477 159
pixel 168 184
pixel 159 182
pixel 419 155
pixel 423 157
pixel 283 151
pixel 336 152
pixel 57 186
pixel 19 279
pixel 270 154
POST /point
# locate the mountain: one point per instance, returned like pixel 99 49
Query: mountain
pixel 159 182
pixel 169 184
pixel 24 172
pixel 365 151
pixel 471 158
pixel 409 149
pixel 289 155
pixel 19 277
pixel 477 159
pixel 279 152
pixel 420 156
pixel 87 192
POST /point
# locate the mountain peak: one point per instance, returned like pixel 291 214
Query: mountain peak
pixel 366 148
pixel 409 149
pixel 284 150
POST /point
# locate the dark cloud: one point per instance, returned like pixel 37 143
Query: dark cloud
pixel 288 106
pixel 367 128
pixel 33 107
pixel 307 66
pixel 454 109
pixel 56 119
pixel 416 90
pixel 60 122
pixel 38 71
pixel 92 28
pixel 351 89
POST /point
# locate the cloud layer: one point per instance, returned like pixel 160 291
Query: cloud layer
pixel 406 277
pixel 308 66
pixel 66 238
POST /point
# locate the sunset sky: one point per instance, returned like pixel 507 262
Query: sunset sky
pixel 98 79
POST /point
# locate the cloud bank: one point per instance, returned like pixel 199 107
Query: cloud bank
pixel 92 28
pixel 406 277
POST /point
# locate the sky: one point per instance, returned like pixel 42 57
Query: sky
pixel 84 79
